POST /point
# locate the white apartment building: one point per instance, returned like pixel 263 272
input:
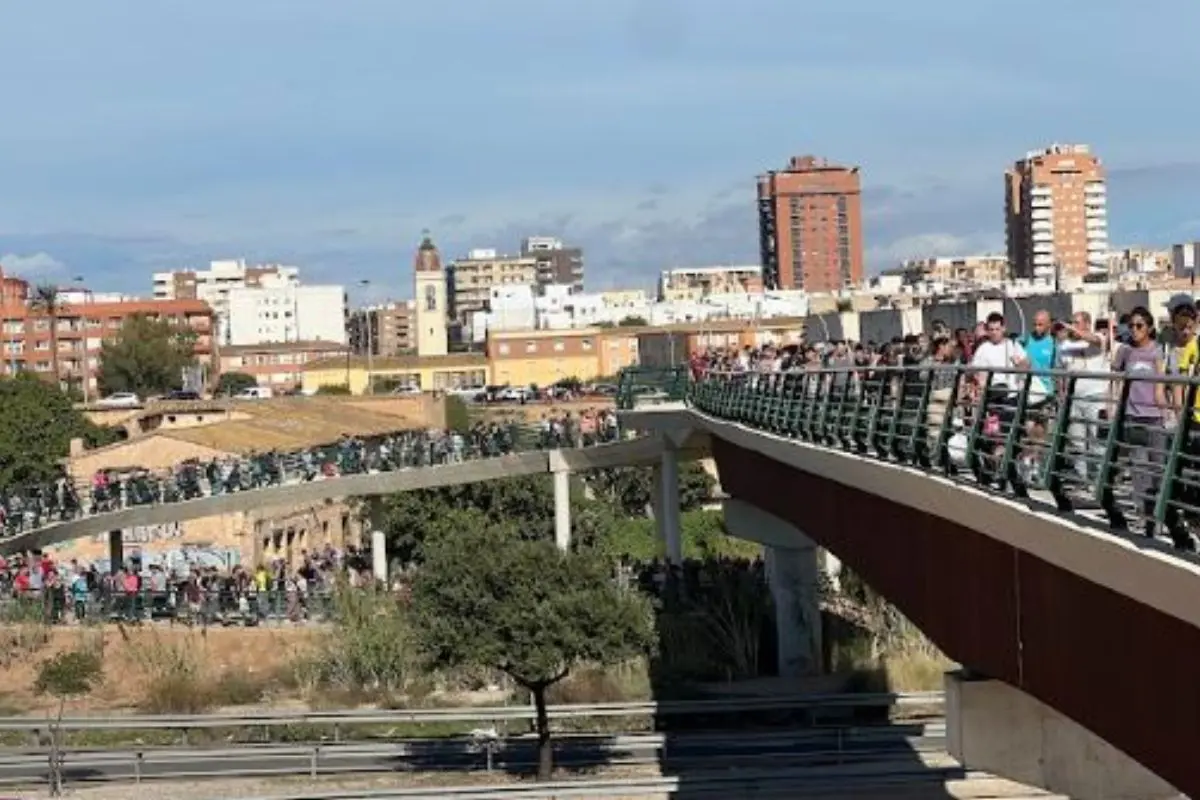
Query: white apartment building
pixel 269 314
pixel 214 285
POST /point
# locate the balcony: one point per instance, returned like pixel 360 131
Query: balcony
pixel 1096 189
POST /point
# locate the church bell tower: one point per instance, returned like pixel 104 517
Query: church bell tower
pixel 430 294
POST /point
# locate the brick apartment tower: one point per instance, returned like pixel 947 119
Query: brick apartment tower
pixel 810 226
pixel 1056 213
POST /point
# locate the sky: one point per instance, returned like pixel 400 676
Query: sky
pixel 144 135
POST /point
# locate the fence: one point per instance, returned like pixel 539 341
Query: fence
pixel 1104 446
pixel 811 703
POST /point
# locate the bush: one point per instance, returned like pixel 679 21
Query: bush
pixel 458 418
pixel 368 647
pixel 334 389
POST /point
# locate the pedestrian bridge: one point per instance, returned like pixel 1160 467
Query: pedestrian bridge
pixel 561 462
pixel 1025 574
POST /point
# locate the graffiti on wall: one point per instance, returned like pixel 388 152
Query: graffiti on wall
pixel 146 534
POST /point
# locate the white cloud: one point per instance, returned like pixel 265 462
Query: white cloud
pixel 33 265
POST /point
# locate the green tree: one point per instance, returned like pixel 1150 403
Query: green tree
pixel 147 356
pixel 633 321
pixel 340 389
pixel 230 383
pixel 488 598
pixel 631 489
pixel 47 302
pixel 71 673
pixel 36 428
pixel 410 519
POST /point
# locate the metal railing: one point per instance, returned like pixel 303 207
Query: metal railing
pixel 491 714
pixel 228 606
pixel 1121 449
pixel 32 507
pixel 649 385
pixel 478 753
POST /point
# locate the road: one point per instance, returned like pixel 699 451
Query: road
pixel 676 752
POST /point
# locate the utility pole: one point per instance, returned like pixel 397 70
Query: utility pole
pixel 369 319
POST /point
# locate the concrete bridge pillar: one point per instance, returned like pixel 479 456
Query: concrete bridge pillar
pixel 562 509
pixel 116 550
pixel 993 727
pixel 379 560
pixel 794 566
pixel 666 511
pixel 794 576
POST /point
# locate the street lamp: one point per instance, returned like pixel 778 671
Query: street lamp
pixel 85 374
pixel 368 320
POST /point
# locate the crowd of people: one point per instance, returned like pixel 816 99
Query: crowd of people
pixel 27 508
pixel 36 586
pixel 998 414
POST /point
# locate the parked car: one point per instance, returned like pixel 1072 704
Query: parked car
pixel 254 393
pixel 120 400
pixel 182 394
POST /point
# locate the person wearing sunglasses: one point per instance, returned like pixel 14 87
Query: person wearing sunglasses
pixel 1143 441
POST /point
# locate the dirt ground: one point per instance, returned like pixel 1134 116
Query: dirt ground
pixel 531 412
pixel 129 654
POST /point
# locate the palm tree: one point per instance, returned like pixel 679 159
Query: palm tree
pixel 46 302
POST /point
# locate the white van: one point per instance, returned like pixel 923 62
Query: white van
pixel 254 393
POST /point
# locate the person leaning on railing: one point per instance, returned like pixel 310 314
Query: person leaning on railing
pixel 1187 362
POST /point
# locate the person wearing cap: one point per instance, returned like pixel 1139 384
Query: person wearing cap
pixel 1181 310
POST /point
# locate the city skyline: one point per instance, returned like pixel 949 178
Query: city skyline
pixel 156 138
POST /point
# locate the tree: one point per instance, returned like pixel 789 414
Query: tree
pixel 488 598
pixel 47 302
pixel 71 673
pixel 340 389
pixel 633 321
pixel 410 519
pixel 632 489
pixel 36 428
pixel 231 383
pixel 147 356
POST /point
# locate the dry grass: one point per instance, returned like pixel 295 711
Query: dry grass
pixel 152 665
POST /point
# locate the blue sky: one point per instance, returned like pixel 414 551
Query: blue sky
pixel 150 134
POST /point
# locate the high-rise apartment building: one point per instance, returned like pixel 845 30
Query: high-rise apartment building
pixel 810 226
pixel 557 265
pixel 1056 213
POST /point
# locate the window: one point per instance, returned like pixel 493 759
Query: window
pixel 559 346
pixel 503 348
pixel 531 347
pixel 586 344
pixel 431 303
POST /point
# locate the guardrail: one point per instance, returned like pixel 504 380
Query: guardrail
pixel 491 714
pixel 743 750
pixel 648 385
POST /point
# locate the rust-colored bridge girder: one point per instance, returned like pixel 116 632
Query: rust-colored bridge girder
pixel 1125 670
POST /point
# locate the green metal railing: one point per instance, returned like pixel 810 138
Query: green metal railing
pixel 650 385
pixel 1113 448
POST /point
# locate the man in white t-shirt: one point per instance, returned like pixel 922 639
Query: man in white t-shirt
pixel 1085 349
pixel 998 352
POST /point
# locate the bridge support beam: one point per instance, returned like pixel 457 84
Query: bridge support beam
pixel 116 550
pixel 379 559
pixel 993 727
pixel 794 566
pixel 666 511
pixel 562 509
